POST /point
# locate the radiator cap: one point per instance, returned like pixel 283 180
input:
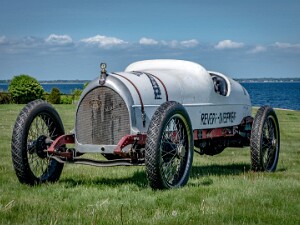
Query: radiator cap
pixel 103 74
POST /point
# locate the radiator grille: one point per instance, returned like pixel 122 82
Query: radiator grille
pixel 102 118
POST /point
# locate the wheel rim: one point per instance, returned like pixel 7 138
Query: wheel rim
pixel 42 130
pixel 269 143
pixel 174 147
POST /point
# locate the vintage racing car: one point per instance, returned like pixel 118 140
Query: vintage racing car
pixel 156 113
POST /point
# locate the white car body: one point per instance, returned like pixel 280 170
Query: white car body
pixel 145 85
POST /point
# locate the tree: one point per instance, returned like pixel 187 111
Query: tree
pixel 25 88
pixel 54 96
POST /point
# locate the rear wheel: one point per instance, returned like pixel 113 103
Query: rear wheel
pixel 265 140
pixel 37 125
pixel 169 147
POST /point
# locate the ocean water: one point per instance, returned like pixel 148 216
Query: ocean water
pixel 277 95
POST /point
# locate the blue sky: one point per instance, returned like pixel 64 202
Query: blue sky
pixel 61 39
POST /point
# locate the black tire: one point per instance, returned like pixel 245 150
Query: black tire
pixel 37 124
pixel 169 147
pixel 265 140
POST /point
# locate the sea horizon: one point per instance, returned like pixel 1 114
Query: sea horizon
pixel 240 80
pixel 279 94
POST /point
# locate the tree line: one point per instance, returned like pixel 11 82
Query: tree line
pixel 24 88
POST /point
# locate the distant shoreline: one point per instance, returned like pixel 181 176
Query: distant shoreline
pixel 54 81
pixel 240 80
pixel 264 80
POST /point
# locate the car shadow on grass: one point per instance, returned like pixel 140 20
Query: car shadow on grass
pixel 139 177
pixel 219 170
pixel 203 174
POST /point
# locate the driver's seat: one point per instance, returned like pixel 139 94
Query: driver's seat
pixel 220 84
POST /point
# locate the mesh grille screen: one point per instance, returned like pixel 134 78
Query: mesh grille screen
pixel 102 118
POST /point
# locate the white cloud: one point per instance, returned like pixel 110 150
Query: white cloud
pixel 148 41
pixel 2 39
pixel 58 39
pixel 286 45
pixel 258 49
pixel 103 41
pixel 25 44
pixel 228 44
pixel 189 43
pixel 180 44
pixel 173 44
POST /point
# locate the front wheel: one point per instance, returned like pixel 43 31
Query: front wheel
pixel 265 140
pixel 169 147
pixel 37 125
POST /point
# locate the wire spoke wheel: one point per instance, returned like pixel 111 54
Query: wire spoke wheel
pixel 40 131
pixel 169 147
pixel 265 140
pixel 173 150
pixel 36 127
pixel 269 140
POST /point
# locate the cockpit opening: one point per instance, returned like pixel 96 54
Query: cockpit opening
pixel 220 84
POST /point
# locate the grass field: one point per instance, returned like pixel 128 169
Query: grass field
pixel 221 189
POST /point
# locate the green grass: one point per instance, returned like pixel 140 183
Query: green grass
pixel 221 189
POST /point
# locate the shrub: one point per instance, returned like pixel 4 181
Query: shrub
pixel 54 96
pixel 5 98
pixel 25 88
pixel 76 93
pixel 65 99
